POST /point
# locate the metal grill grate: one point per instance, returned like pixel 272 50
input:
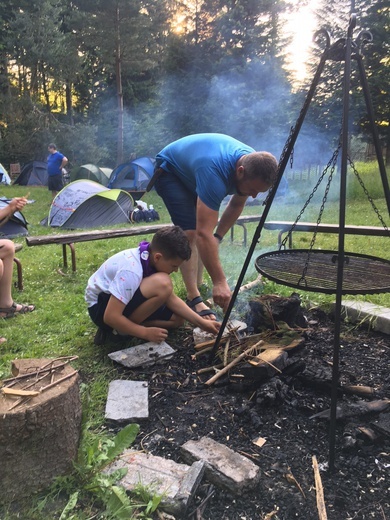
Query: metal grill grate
pixel 362 274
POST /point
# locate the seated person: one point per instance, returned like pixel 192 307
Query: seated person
pixel 132 293
pixel 8 308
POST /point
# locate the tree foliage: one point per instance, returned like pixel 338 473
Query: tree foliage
pixel 106 79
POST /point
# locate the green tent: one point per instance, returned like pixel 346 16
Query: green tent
pixel 93 173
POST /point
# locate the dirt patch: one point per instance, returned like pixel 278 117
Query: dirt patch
pixel 279 410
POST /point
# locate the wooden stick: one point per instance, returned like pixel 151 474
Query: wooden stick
pixel 233 363
pixel 225 354
pixel 19 393
pixel 59 381
pixel 250 285
pixel 319 491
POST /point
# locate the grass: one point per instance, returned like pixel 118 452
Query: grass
pixel 60 325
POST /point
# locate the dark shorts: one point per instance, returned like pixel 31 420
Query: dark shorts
pixel 96 312
pixel 55 182
pixel 179 200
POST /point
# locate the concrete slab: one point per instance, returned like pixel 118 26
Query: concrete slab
pixel 224 467
pixel 376 315
pixel 200 335
pixel 127 401
pixel 177 483
pixel 143 355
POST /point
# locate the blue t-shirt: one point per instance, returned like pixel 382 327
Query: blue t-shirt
pixel 206 164
pixel 54 162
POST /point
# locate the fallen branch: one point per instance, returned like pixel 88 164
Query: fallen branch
pixel 250 285
pixel 319 491
pixel 233 363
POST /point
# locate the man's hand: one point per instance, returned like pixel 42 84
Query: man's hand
pixel 222 295
pixel 17 203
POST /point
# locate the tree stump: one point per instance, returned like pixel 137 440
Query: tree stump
pixel 39 435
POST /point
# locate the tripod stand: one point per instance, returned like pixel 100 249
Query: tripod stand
pixel 342 50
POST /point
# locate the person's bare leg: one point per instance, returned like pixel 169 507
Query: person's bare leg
pixel 199 276
pixel 7 252
pixel 189 271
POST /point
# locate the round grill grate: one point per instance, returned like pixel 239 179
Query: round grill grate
pixel 362 274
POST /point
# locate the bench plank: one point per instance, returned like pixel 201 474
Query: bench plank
pixel 86 236
pixel 285 226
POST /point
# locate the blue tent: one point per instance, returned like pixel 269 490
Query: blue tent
pixel 133 176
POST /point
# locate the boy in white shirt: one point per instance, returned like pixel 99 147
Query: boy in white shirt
pixel 132 293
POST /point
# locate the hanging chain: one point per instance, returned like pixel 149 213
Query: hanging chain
pixel 370 199
pixel 331 164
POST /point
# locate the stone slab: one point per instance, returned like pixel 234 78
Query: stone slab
pixel 143 355
pixel 177 483
pixel 127 401
pixel 200 335
pixel 224 467
pixel 376 315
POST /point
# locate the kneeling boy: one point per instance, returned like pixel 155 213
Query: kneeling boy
pixel 132 293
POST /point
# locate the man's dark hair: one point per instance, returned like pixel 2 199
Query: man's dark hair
pixel 52 145
pixel 172 242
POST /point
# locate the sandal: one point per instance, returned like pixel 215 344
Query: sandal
pixel 193 303
pixel 11 312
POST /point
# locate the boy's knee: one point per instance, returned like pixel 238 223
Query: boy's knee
pixel 163 283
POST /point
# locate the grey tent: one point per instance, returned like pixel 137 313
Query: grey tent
pixel 92 173
pixel 4 177
pixel 86 204
pixel 33 174
pixel 16 225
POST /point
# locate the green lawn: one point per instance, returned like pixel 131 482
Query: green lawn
pixel 60 325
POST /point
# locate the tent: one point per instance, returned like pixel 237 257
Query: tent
pixel 86 204
pixel 33 174
pixel 93 173
pixel 5 178
pixel 16 226
pixel 133 176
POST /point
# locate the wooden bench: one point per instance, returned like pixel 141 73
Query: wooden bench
pixel 71 238
pixel 311 227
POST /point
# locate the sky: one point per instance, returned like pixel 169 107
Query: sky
pixel 301 25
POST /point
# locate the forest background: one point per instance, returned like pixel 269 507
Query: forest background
pixel 110 79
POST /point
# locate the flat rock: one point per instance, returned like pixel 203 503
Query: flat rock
pixel 200 335
pixel 177 483
pixel 224 467
pixel 127 401
pixel 143 355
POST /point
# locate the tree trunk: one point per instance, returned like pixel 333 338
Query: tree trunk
pixel 39 436
pixel 69 105
pixel 118 69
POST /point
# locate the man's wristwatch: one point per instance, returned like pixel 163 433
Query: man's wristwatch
pixel 218 237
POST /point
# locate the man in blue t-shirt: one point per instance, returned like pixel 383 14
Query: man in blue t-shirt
pixel 55 162
pixel 193 175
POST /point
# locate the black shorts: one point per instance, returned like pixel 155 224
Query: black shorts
pixel 55 182
pixel 96 312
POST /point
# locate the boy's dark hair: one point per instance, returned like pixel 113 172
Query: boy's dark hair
pixel 52 146
pixel 172 242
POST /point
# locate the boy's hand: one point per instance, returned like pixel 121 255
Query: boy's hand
pixel 210 326
pixel 156 334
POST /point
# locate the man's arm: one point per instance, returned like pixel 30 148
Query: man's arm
pixel 207 246
pixel 232 211
pixel 64 162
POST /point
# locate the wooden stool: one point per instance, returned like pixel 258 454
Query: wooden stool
pixel 19 283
